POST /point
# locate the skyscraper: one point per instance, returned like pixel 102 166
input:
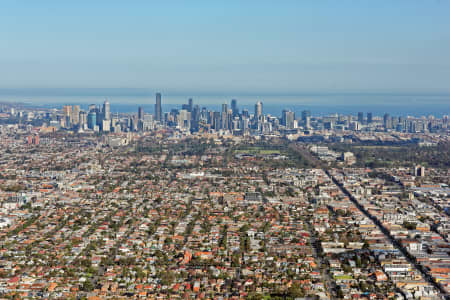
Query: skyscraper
pixel 141 113
pixel 224 116
pixel 82 118
pixel 234 107
pixel 67 110
pixel 258 109
pixel 184 119
pixel 92 119
pixel 190 105
pixel 387 121
pixel 369 118
pixel 106 110
pixel 360 117
pixel 76 115
pixel 158 110
pixel 287 119
pixel 305 114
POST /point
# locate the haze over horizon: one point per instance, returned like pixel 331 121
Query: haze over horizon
pixel 233 47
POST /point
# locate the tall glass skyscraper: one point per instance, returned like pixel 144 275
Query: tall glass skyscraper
pixel 258 109
pixel 158 109
pixel 106 110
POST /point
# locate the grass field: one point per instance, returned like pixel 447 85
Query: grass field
pixel 257 151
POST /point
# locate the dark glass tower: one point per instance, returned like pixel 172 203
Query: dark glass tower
pixel 141 113
pixel 234 107
pixel 158 109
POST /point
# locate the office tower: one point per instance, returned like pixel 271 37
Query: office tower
pixel 224 116
pixel 305 113
pixel 195 114
pixel 387 121
pixel 83 118
pixel 216 120
pixel 67 111
pixel 234 107
pixel 184 119
pixel 204 114
pixel 394 122
pixel 195 118
pixel 106 125
pixel 360 117
pixel 245 113
pixel 190 105
pixel 92 119
pixel 229 119
pixel 99 118
pixel 258 110
pixel 308 122
pixel 106 110
pixel 76 115
pixel 158 109
pixel 369 118
pixel 141 113
pixel 92 107
pixel 224 107
pixel 134 123
pixel 224 120
pixel 288 119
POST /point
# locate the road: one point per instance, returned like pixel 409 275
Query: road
pixel 329 283
pixel 307 155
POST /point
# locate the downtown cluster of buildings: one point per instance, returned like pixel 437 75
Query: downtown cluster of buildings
pixel 193 119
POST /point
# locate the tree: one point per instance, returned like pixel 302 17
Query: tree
pixel 87 286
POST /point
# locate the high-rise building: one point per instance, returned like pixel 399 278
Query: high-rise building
pixel 67 111
pixel 305 114
pixel 184 119
pixel 258 110
pixel 190 105
pixel 216 120
pixel 224 107
pixel 76 115
pixel 141 113
pixel 387 121
pixel 288 119
pixel 360 117
pixel 106 125
pixel 92 119
pixel 158 109
pixel 369 118
pixel 308 122
pixel 234 107
pixel 92 107
pixel 106 110
pixel 83 118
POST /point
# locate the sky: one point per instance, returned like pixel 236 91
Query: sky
pixel 287 46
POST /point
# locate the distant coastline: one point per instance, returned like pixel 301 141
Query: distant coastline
pixel 401 104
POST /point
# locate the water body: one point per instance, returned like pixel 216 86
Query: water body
pixel 128 101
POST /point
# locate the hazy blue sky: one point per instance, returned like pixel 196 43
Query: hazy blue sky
pixel 264 46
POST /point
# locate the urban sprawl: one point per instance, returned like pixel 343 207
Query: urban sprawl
pixel 230 204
